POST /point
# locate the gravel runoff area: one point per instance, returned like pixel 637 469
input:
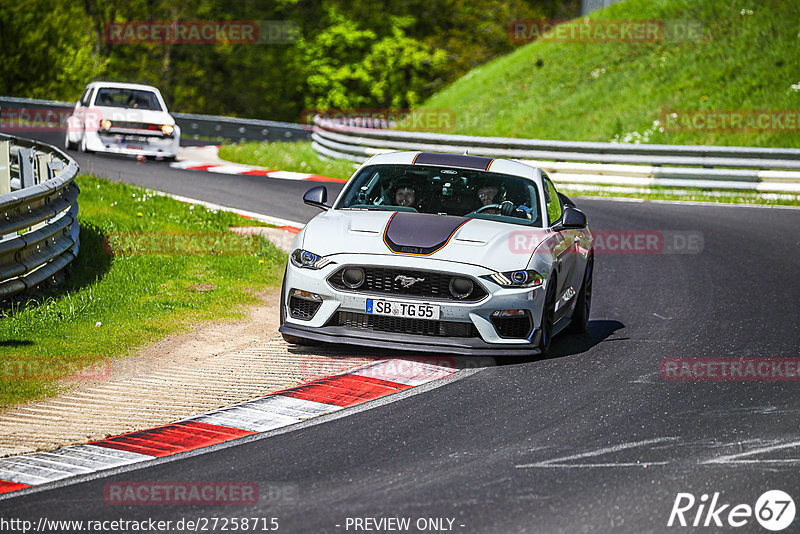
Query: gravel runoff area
pixel 213 365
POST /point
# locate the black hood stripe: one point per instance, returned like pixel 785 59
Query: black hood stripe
pixel 420 234
pixel 453 160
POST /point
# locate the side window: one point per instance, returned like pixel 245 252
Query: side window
pixel 86 98
pixel 553 202
pixel 83 98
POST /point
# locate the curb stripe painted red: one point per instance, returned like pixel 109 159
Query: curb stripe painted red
pixel 6 486
pixel 346 390
pixel 235 168
pixel 172 439
pixel 276 410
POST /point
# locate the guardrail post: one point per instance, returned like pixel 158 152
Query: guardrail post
pixel 42 170
pixel 54 168
pixel 5 167
pixel 26 170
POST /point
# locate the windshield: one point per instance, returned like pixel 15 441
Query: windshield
pixel 444 191
pixel 115 97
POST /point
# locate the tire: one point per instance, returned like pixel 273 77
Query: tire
pixel 68 145
pixel 293 340
pixel 82 145
pixel 583 304
pixel 548 316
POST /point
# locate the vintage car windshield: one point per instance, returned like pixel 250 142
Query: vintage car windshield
pixel 444 191
pixel 120 97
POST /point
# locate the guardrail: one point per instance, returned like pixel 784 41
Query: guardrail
pixel 749 168
pixel 192 125
pixel 38 214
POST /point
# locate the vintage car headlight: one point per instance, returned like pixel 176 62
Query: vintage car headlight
pixel 529 278
pixel 167 129
pixel 105 124
pixel 308 260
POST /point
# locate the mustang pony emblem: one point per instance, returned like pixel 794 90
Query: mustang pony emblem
pixel 407 281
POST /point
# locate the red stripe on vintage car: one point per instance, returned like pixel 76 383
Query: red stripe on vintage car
pixel 7 487
pixel 174 438
pixel 345 390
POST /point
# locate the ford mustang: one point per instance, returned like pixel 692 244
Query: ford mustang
pixel 443 253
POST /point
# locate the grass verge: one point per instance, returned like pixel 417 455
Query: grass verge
pixel 113 303
pixel 746 57
pixel 295 157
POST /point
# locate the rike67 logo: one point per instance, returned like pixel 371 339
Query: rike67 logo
pixel 774 510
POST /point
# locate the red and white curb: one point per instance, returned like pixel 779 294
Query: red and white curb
pixel 276 410
pixel 210 162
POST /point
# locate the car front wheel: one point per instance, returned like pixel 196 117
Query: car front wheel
pixel 583 304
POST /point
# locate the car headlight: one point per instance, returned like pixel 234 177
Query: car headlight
pixel 167 129
pixel 105 124
pixel 529 278
pixel 308 260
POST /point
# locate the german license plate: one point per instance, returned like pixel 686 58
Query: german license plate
pixel 412 310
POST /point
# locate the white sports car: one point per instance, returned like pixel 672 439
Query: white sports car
pixel 123 118
pixel 439 252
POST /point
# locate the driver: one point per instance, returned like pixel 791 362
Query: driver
pixel 493 194
pixel 487 193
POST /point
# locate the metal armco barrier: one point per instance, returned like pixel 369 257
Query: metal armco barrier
pixel 718 167
pixel 192 125
pixel 38 214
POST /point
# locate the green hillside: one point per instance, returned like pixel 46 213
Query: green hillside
pixel 749 59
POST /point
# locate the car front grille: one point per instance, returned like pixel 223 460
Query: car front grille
pixel 125 127
pixel 303 309
pixel 384 281
pixel 421 327
pixel 513 327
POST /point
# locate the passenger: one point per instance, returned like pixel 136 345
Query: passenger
pixel 405 196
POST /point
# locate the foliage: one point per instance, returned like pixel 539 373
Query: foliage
pixel 350 53
pixel 47 48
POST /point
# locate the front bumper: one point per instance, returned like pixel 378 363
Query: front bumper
pixel 324 324
pixel 133 144
pixel 411 343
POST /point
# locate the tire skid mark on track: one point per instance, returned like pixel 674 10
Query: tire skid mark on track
pixel 322 396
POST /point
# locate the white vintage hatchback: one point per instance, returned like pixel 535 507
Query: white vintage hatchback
pixel 123 118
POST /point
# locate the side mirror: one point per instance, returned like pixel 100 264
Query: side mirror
pixel 573 218
pixel 317 197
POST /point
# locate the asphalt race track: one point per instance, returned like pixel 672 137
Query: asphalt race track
pixel 589 439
